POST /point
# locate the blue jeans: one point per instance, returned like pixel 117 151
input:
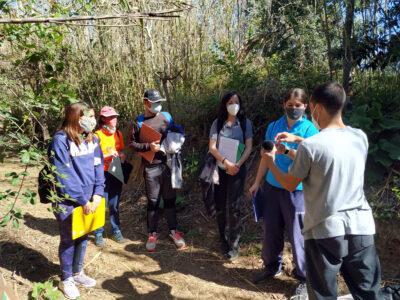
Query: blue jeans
pixel 71 252
pixel 112 194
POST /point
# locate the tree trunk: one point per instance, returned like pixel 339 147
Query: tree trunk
pixel 166 93
pixel 347 46
pixel 325 26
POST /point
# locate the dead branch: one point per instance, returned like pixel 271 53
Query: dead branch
pixel 149 15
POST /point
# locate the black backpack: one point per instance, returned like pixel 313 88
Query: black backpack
pixel 46 184
pixel 46 180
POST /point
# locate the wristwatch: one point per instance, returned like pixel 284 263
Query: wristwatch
pixel 286 151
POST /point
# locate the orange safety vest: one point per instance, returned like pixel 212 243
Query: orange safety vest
pixel 110 143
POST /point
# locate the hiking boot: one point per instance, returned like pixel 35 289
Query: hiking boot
pixel 266 274
pixel 233 255
pixel 82 279
pixel 99 241
pixel 69 288
pixel 301 290
pixel 117 236
pixel 177 237
pixel 151 242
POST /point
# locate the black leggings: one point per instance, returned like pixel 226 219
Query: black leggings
pixel 228 196
pixel 158 184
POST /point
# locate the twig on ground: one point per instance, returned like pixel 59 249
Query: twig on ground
pixel 93 259
pixel 20 280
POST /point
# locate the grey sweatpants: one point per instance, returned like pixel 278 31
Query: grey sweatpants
pixel 352 255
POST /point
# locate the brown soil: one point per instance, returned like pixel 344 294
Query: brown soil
pixel 127 271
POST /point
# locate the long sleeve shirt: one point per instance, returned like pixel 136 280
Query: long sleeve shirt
pixel 160 122
pixel 80 170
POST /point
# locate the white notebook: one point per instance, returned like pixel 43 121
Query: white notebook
pixel 228 148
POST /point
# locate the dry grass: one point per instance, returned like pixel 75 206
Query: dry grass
pixel 127 271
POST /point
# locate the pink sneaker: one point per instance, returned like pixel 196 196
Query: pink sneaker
pixel 177 237
pixel 151 242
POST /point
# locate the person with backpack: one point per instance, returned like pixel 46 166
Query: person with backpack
pixel 231 123
pixel 112 145
pixel 75 152
pixel 157 174
pixel 283 210
pixel 339 225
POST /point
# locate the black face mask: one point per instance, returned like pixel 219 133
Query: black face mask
pixel 294 113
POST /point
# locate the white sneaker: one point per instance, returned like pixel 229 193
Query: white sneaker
pixel 82 279
pixel 69 288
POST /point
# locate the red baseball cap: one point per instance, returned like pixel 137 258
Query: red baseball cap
pixel 108 111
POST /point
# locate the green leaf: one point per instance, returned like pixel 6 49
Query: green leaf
pixel 11 174
pixel 25 157
pixel 373 148
pixel 3 196
pixel 382 158
pixel 390 124
pixel 392 149
pixel 37 289
pixel 15 181
pixel 375 172
pixel 15 223
pixel 5 220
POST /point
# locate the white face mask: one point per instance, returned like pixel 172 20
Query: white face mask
pixel 315 121
pixel 233 109
pixel 110 129
pixel 87 123
pixel 156 107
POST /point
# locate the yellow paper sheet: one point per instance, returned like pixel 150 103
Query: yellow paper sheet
pixel 83 224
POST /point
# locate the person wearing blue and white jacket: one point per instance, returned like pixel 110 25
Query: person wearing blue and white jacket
pixel 78 159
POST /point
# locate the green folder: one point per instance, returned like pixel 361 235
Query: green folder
pixel 240 151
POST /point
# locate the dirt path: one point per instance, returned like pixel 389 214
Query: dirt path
pixel 129 272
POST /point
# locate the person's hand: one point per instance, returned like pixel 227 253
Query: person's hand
pixel 122 156
pixel 280 148
pixel 96 199
pixel 269 157
pixel 231 168
pixel 155 146
pixel 254 189
pixel 87 208
pixel 287 137
pixel 114 153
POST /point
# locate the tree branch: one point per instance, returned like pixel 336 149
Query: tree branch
pixel 146 15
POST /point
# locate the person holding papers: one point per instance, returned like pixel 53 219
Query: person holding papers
pixel 112 146
pixel 77 157
pixel 338 222
pixel 231 138
pixel 149 131
pixel 283 210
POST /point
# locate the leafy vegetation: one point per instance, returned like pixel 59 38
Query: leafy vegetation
pixel 259 48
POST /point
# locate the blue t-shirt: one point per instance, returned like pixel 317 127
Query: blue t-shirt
pixel 303 128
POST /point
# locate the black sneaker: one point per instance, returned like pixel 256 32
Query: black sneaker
pixel 266 274
pixel 224 246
